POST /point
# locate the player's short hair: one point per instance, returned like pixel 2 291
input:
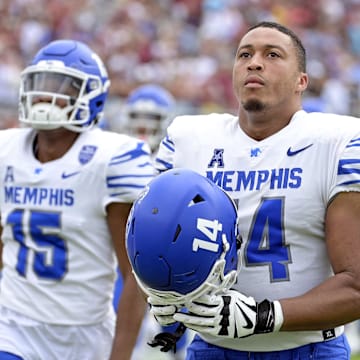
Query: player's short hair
pixel 299 47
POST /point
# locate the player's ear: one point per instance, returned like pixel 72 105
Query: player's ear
pixel 302 82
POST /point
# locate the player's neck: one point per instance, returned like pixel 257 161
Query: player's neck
pixel 261 125
pixel 53 144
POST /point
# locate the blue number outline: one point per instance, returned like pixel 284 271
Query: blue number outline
pixel 266 245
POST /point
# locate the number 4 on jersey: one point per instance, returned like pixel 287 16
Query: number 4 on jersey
pixel 266 244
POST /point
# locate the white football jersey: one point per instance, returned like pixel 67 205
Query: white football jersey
pixel 58 256
pixel 282 185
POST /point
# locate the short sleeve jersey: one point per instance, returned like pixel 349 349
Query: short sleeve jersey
pixel 282 185
pixel 58 256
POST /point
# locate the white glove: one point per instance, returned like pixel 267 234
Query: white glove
pixel 232 315
pixel 164 314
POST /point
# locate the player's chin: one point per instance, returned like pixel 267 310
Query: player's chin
pixel 253 104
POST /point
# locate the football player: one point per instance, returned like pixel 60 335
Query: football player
pixel 67 187
pixel 146 113
pixel 296 179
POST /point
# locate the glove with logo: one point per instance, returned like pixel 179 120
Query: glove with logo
pixel 232 315
pixel 164 314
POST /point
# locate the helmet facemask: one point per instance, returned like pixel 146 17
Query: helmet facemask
pixel 51 98
pixel 216 282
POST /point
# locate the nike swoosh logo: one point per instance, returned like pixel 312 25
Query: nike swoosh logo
pixel 67 175
pixel 295 152
pixel 249 323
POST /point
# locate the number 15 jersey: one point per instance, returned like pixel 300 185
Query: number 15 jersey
pixel 58 256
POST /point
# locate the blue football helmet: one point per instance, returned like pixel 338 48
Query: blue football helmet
pixel 147 113
pixel 182 239
pixel 65 85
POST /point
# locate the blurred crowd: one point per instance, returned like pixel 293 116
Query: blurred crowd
pixel 187 46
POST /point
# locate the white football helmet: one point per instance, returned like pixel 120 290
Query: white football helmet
pixel 66 85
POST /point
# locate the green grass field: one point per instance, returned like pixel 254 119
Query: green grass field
pixel 355 357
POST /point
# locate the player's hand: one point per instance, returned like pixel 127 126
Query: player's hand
pixel 164 314
pixel 230 314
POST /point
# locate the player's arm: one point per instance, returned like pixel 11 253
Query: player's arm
pixel 337 300
pixel 132 305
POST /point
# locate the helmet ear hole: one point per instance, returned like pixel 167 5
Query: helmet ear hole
pixel 193 237
pixel 100 104
pixel 198 198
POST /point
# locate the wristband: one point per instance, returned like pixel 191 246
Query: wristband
pixel 269 317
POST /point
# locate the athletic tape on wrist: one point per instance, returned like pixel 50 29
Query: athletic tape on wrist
pixel 278 315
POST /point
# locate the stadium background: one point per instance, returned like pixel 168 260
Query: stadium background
pixel 187 46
